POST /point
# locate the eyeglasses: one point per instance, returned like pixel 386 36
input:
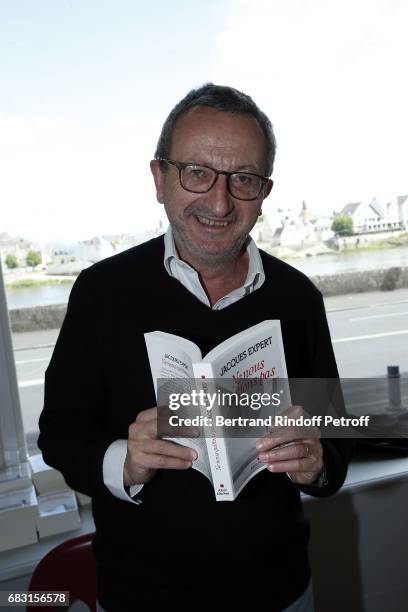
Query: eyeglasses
pixel 200 179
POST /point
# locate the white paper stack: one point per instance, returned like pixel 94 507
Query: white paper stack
pixel 83 499
pixel 18 518
pixel 46 479
pixel 57 512
pixel 15 477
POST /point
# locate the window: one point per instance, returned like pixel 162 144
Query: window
pixel 74 154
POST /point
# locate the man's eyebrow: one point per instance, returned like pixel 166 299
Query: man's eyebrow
pixel 248 167
pixel 242 168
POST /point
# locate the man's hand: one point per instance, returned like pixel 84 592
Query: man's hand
pixel 146 453
pixel 302 455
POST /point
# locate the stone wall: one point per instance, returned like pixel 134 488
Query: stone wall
pixel 51 317
pixel 37 317
pixel 361 281
pixel 355 241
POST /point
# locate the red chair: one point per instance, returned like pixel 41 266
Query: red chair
pixel 68 567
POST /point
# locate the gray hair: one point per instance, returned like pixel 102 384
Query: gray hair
pixel 224 99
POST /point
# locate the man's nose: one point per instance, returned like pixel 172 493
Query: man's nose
pixel 219 198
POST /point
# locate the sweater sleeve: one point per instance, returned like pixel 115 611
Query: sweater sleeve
pixel 337 452
pixel 73 437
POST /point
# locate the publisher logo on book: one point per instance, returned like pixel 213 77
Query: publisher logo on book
pixel 222 490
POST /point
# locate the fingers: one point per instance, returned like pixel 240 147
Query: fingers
pixel 144 425
pixel 168 449
pixel 160 454
pixel 166 430
pixel 304 456
pixel 296 450
pixel 280 435
pixel 144 416
pixel 287 436
pixel 142 430
pixel 146 453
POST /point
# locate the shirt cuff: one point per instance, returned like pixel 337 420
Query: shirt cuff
pixel 113 464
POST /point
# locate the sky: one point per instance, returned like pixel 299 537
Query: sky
pixel 87 84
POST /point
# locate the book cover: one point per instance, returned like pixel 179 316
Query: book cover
pixel 243 367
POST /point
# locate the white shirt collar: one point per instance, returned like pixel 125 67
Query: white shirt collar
pixel 183 272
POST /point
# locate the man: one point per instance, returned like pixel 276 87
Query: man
pixel 162 541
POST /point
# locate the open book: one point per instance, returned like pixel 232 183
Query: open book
pixel 240 368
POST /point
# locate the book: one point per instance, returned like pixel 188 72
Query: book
pixel 241 367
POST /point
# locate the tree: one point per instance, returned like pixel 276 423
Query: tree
pixel 33 258
pixel 11 262
pixel 342 224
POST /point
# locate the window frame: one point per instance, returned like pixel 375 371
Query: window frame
pixel 13 445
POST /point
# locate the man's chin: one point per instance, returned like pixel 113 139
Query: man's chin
pixel 208 253
pixel 213 256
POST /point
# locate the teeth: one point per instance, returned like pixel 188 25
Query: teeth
pixel 212 222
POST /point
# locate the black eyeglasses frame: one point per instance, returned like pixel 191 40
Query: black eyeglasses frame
pixel 181 165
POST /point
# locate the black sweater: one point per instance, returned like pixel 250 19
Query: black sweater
pixel 179 542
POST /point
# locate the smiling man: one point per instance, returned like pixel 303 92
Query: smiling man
pixel 213 193
pixel 162 541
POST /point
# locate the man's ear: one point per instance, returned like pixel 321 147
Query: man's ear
pixel 158 179
pixel 268 188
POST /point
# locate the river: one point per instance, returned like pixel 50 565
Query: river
pixel 312 266
pixel 335 263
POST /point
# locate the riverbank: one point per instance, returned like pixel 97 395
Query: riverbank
pixel 380 245
pixel 357 243
pixel 51 316
pixel 35 279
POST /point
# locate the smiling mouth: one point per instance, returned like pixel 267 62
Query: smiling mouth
pixel 211 222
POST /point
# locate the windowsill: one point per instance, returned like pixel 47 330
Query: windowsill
pixel 372 469
pixel 367 470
